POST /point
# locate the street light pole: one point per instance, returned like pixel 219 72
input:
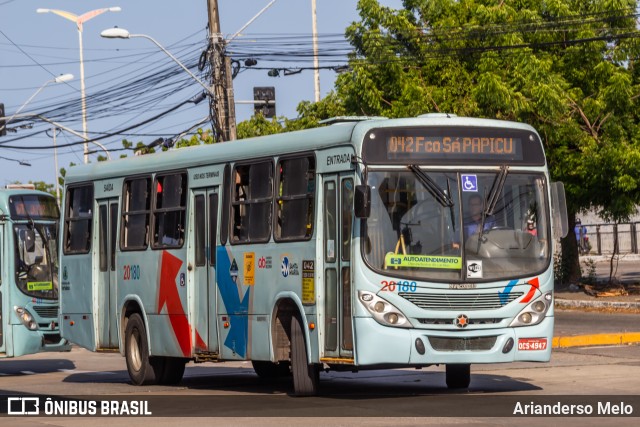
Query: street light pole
pixel 121 33
pixel 60 79
pixel 80 20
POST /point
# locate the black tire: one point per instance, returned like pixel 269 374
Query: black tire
pixel 142 369
pixel 305 376
pixel 270 370
pixel 458 375
pixel 172 370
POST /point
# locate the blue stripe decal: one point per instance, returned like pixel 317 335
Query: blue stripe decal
pixel 238 311
pixel 504 296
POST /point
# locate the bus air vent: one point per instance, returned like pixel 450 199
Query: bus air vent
pixel 462 344
pixel 46 311
pixel 460 301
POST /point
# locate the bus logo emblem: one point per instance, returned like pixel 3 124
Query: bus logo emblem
pixel 285 267
pixel 461 321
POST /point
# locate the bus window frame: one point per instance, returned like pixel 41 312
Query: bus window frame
pixel 182 223
pixel 123 223
pixel 308 196
pixel 67 219
pixel 248 202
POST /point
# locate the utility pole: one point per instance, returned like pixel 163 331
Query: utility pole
pixel 316 65
pixel 221 105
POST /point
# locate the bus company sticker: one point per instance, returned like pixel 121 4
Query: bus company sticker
pixel 289 268
pixel 265 262
pixel 474 269
pixel 423 261
pixel 284 267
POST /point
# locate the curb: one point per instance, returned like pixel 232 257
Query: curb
pixel 596 339
pixel 619 305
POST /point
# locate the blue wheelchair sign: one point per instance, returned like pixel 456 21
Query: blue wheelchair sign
pixel 469 183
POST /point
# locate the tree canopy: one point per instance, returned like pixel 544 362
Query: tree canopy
pixel 566 67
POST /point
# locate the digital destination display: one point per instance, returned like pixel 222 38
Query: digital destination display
pixel 488 147
pixel 452 145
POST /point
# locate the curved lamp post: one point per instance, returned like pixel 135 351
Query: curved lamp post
pixel 80 20
pixel 121 33
pixel 60 79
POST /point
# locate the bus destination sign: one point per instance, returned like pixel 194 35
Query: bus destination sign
pixel 454 146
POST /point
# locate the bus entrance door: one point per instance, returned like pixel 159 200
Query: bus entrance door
pixel 106 286
pixel 205 227
pixel 338 218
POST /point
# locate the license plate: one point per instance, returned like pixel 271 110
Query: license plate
pixel 525 344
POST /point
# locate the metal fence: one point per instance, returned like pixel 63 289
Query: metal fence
pixel 601 238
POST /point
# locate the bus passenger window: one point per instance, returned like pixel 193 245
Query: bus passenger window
pixel 251 202
pixel 78 219
pixel 169 211
pixel 296 194
pixel 135 213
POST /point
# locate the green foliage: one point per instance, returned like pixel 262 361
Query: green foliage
pixel 567 67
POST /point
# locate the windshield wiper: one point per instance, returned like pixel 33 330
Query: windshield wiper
pixel 438 193
pixel 489 203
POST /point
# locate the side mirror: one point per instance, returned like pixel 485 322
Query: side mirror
pixel 362 201
pixel 30 240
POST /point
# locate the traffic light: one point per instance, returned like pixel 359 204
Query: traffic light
pixel 3 129
pixel 267 93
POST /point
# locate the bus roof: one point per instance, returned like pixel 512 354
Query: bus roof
pixel 336 134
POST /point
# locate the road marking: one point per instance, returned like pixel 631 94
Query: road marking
pixel 27 372
pixel 596 339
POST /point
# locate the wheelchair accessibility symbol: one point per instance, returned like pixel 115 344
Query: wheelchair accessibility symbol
pixel 469 183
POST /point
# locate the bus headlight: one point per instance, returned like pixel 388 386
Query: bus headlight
pixel 534 312
pixel 384 312
pixel 26 318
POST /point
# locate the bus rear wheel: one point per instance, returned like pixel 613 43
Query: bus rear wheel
pixel 305 376
pixel 458 375
pixel 142 369
pixel 172 370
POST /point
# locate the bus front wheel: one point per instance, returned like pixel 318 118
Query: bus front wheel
pixel 142 370
pixel 458 375
pixel 305 376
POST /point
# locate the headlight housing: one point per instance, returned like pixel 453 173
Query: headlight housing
pixel 534 312
pixel 383 311
pixel 26 318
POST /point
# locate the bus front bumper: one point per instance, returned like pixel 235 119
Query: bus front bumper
pixel 379 345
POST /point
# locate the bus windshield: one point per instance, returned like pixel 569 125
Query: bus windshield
pixel 493 226
pixel 37 259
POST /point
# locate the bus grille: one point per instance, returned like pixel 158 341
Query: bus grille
pixel 46 311
pixel 459 301
pixel 462 344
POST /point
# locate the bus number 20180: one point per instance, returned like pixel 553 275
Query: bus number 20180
pixel 131 272
pixel 401 286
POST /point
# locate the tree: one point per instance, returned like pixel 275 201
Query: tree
pixel 567 67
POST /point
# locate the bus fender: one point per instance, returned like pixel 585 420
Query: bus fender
pixel 126 309
pixel 293 305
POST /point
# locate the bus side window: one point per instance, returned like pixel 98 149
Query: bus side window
pixel 135 213
pixel 296 193
pixel 78 219
pixel 169 210
pixel 251 202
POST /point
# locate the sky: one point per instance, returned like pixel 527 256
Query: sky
pixel 37 47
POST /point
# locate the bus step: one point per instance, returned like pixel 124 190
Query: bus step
pixel 207 357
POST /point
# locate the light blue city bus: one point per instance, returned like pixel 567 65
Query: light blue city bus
pixel 29 222
pixel 346 247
